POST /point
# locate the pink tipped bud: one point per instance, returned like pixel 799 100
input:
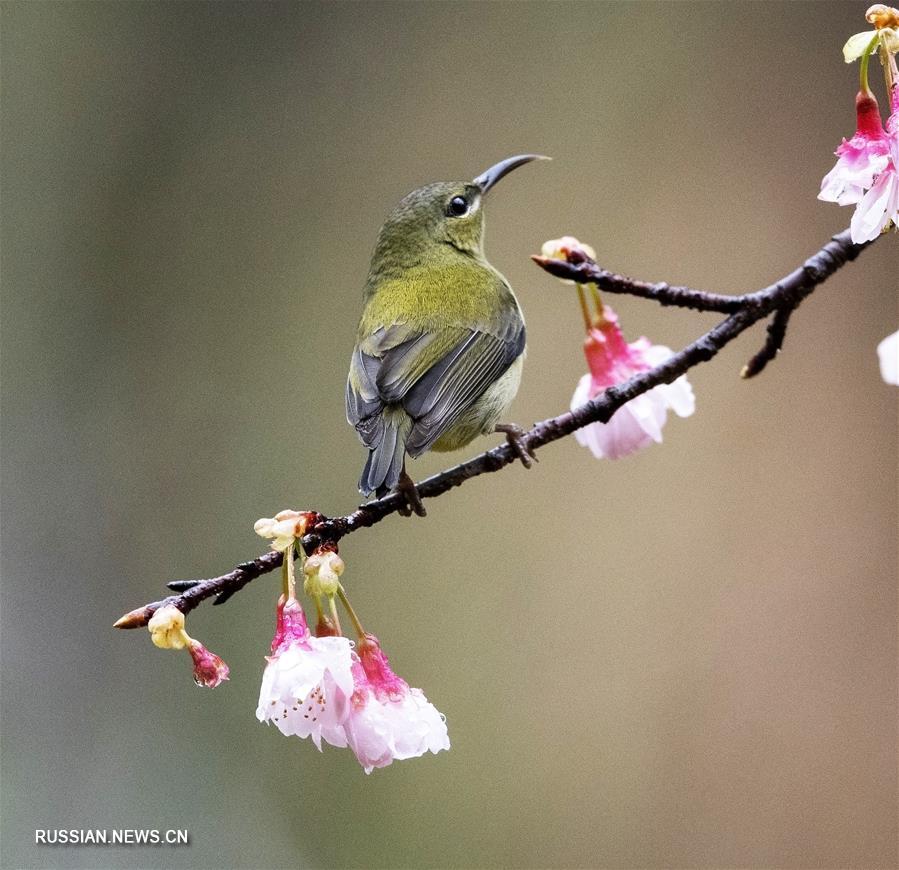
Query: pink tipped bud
pixel 209 669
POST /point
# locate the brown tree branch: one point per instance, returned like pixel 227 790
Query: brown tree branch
pixel 779 299
pixel 777 331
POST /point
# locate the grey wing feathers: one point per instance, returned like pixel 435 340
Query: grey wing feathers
pixel 398 406
pixel 363 403
pixel 449 387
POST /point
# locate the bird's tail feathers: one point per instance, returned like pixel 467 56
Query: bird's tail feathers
pixel 385 461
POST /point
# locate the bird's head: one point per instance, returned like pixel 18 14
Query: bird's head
pixel 442 213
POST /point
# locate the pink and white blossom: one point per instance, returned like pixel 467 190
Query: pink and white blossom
pixel 388 720
pixel 880 205
pixel 888 356
pixel 611 361
pixel 308 680
pixel 861 158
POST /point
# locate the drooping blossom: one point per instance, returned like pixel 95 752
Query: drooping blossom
pixel 387 719
pixel 888 356
pixel 880 205
pixel 611 361
pixel 866 173
pixel 167 631
pixel 308 680
pixel 860 158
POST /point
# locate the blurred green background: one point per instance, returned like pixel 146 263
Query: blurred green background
pixel 687 658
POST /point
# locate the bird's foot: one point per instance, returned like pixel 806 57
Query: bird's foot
pixel 409 492
pixel 515 435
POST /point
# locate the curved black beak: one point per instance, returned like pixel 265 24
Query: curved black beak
pixel 487 179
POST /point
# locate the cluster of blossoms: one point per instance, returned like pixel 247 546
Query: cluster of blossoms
pixel 866 173
pixel 317 684
pixel 611 360
pixel 320 687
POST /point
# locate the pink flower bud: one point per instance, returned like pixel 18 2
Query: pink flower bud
pixel 209 669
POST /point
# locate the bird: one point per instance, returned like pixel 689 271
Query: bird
pixel 441 341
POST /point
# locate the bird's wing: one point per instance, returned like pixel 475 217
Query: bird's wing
pixel 434 376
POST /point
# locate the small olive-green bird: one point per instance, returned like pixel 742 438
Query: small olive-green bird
pixel 441 341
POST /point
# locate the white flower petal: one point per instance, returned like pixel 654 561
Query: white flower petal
pixel 650 412
pixel 264 526
pixel 622 435
pixel 679 396
pixel 380 732
pixel 581 392
pixel 591 437
pixel 889 39
pixel 656 354
pixel 876 208
pixel 888 355
pixel 845 185
pixel 856 44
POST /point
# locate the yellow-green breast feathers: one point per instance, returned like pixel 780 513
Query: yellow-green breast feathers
pixel 439 346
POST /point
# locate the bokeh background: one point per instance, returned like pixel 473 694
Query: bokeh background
pixel 687 658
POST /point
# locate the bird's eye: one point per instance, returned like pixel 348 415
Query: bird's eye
pixel 457 207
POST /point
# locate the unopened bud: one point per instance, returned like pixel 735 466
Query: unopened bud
pixel 209 669
pixel 323 569
pixel 567 248
pixel 132 619
pixel 167 628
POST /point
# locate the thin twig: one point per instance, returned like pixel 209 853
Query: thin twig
pixel 584 271
pixel 777 331
pixel 780 298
